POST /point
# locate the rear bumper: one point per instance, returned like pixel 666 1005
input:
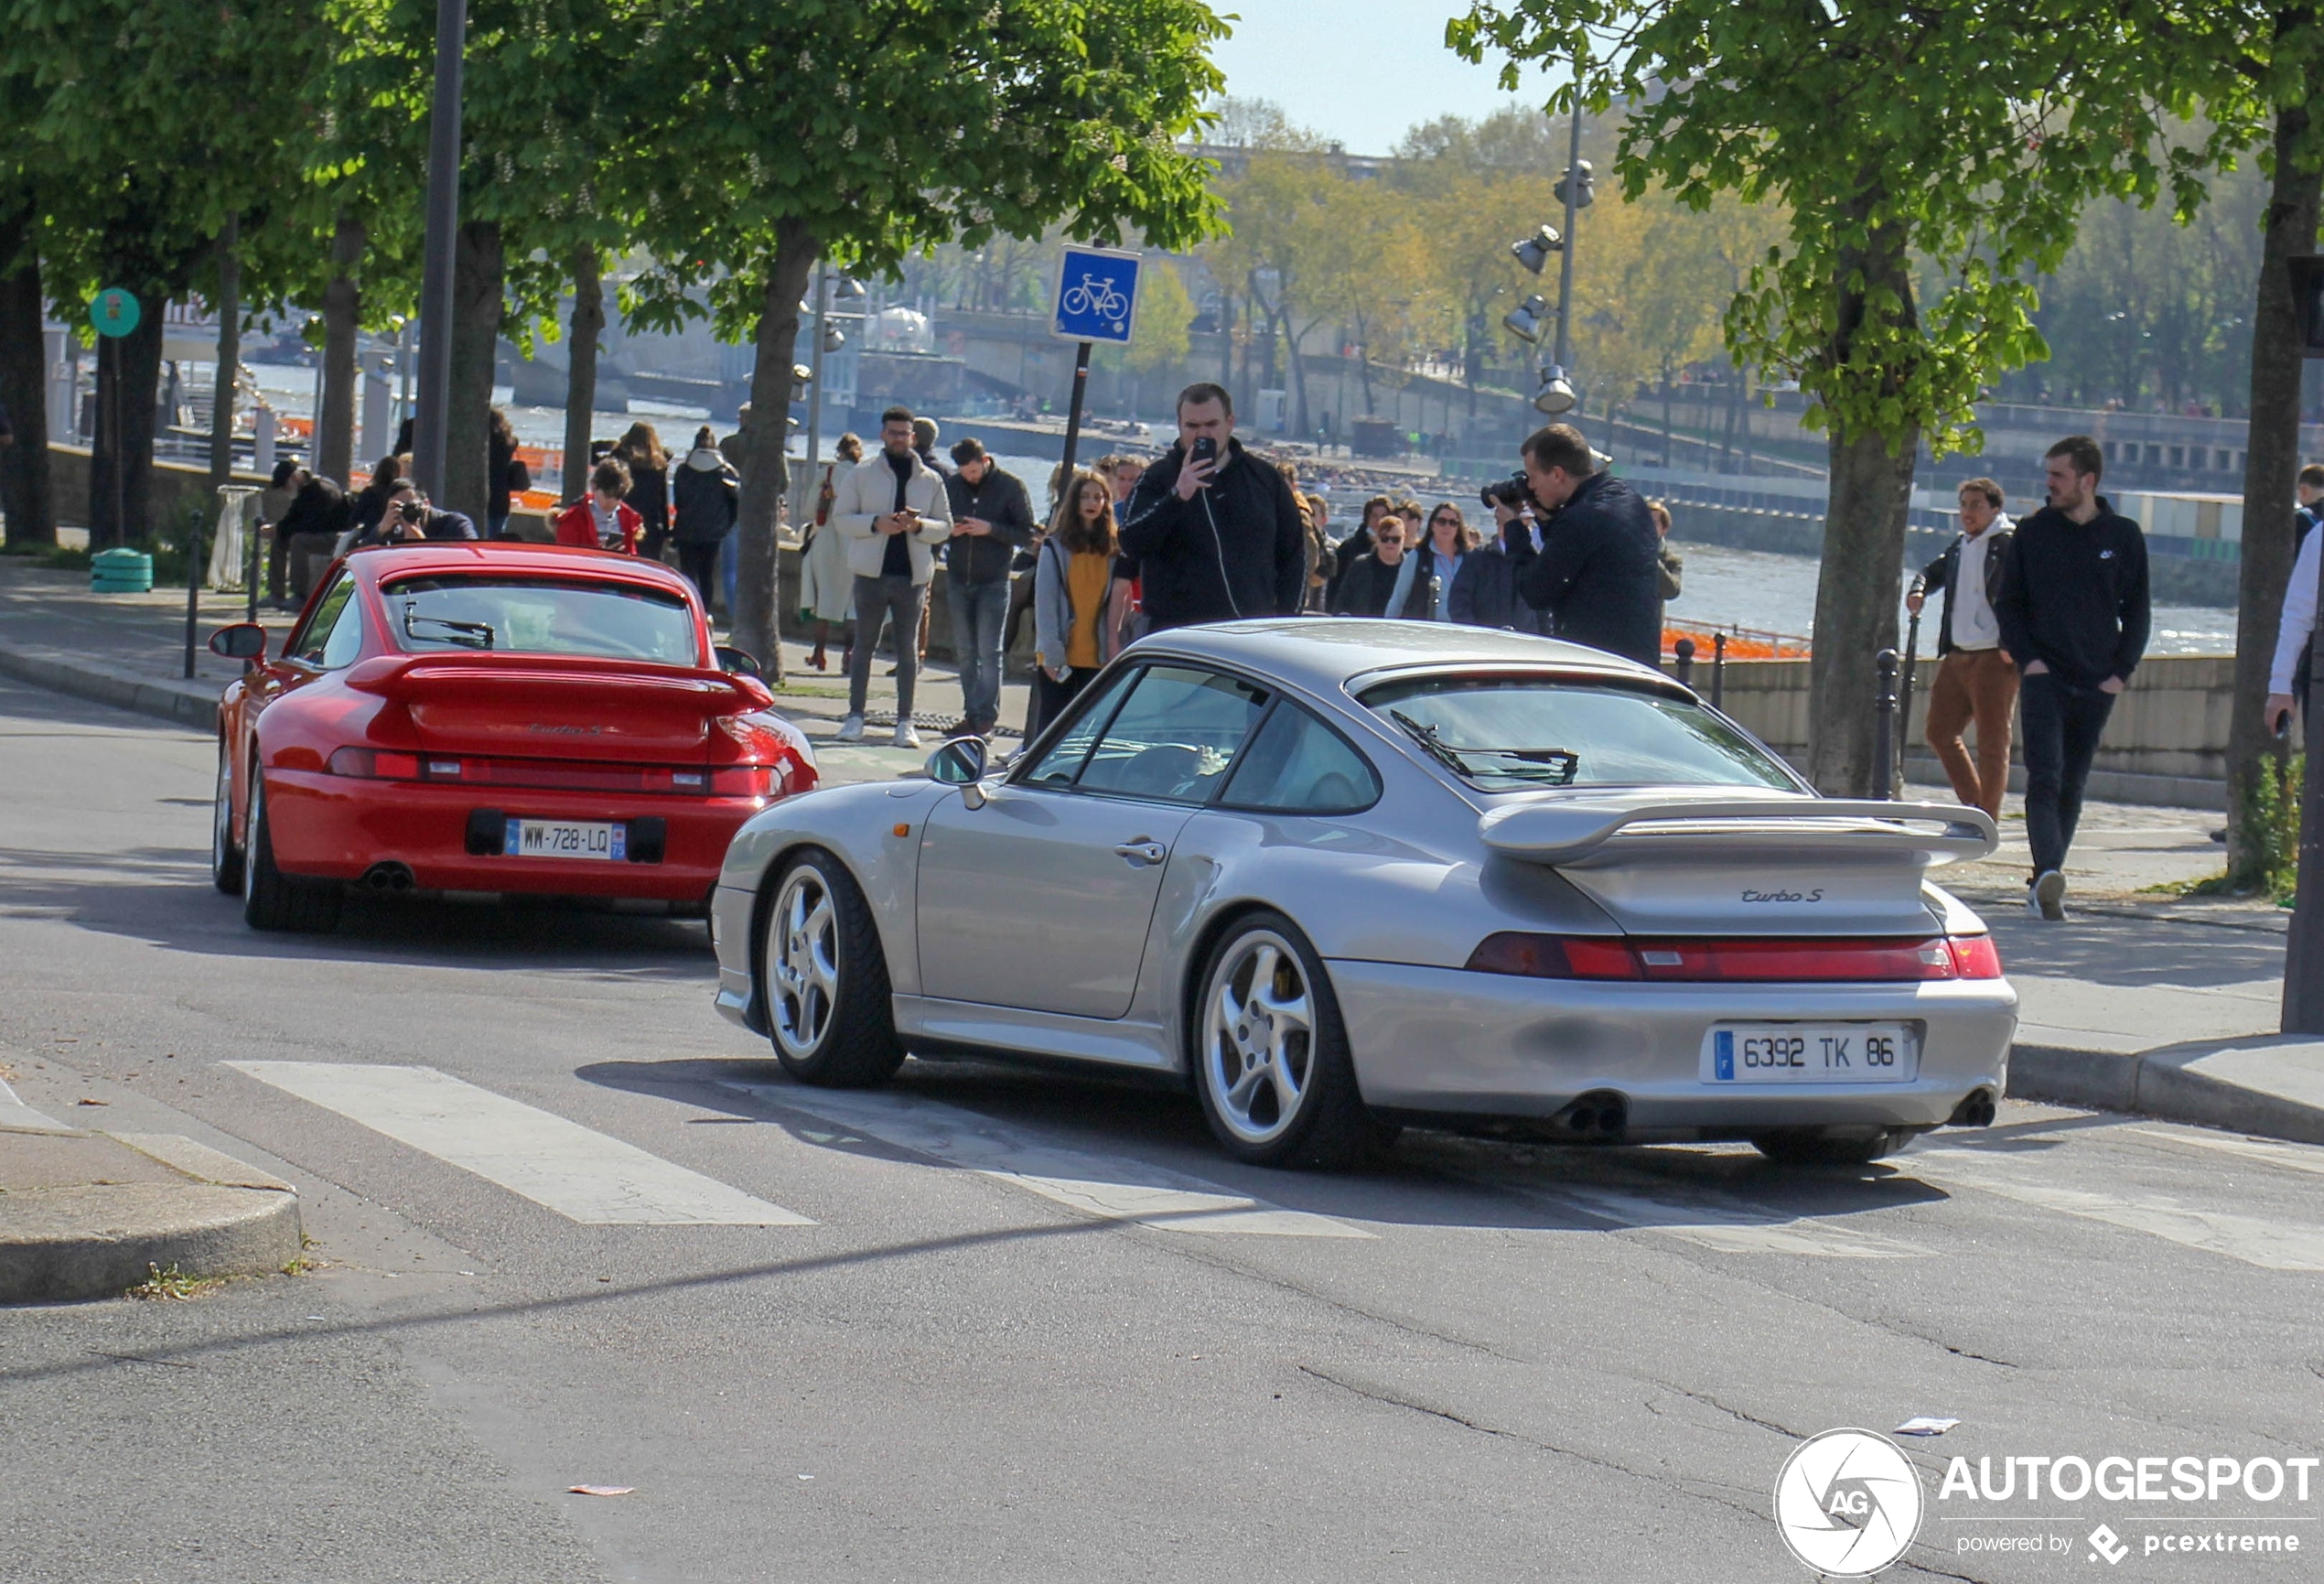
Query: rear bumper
pixel 336 827
pixel 1489 1045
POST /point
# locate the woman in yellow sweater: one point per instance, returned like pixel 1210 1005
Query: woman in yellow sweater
pixel 1071 637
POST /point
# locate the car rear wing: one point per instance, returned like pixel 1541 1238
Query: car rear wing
pixel 1588 832
pixel 408 678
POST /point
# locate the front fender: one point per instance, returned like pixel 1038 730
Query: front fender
pixel 858 824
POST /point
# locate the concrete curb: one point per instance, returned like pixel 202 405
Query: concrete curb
pixel 78 1241
pixel 2162 1084
pixel 188 704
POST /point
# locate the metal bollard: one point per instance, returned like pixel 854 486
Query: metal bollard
pixel 193 593
pixel 1718 670
pixel 1884 748
pixel 1685 670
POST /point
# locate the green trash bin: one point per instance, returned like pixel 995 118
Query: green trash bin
pixel 121 572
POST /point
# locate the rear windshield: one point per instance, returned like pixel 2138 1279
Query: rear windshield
pixel 1513 734
pixel 542 615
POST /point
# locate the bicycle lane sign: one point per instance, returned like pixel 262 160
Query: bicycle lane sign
pixel 1097 296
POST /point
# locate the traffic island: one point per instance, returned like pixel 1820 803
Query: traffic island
pixel 90 1215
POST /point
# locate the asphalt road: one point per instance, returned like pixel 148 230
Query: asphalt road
pixel 992 1325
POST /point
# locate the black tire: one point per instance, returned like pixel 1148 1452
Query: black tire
pixel 225 857
pixel 271 899
pixel 1807 1146
pixel 822 977
pixel 1234 1053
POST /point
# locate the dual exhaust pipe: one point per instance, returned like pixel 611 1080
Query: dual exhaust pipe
pixel 386 878
pixel 1600 1116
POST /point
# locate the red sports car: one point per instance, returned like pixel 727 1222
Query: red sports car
pixel 491 717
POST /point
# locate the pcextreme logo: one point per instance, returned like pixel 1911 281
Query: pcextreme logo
pixel 1847 1502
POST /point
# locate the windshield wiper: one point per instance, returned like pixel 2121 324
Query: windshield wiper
pixel 467 634
pixel 1550 766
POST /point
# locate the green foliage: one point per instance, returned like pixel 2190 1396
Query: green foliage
pixel 1887 132
pixel 874 129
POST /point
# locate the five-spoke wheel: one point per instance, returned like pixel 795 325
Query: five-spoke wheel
pixel 824 976
pixel 1271 1058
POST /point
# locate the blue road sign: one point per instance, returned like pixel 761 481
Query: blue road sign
pixel 1097 296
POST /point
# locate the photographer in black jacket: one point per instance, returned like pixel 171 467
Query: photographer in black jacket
pixel 1217 532
pixel 1598 572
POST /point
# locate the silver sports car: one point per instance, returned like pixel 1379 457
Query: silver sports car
pixel 1342 876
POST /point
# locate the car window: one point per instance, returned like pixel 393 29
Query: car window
pixel 1514 733
pixel 346 640
pixel 1062 762
pixel 315 639
pixel 1296 764
pixel 542 615
pixel 1175 736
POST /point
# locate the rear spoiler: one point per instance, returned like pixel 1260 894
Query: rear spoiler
pixel 402 676
pixel 1575 832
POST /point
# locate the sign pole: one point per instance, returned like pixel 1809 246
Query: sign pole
pixel 1073 413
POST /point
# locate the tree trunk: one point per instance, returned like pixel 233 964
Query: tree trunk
pixel 121 466
pixel 1864 523
pixel 1300 427
pixel 477 292
pixel 229 326
pixel 2271 467
pixel 343 311
pixel 581 371
pixel 765 475
pixel 24 373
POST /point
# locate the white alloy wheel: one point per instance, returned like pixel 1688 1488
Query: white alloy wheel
pixel 1259 1037
pixel 802 963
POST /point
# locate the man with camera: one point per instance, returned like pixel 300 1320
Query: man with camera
pixel 1597 571
pixel 1217 534
pixel 407 517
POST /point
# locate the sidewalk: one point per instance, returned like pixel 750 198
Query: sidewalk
pixel 90 1215
pixel 2144 1000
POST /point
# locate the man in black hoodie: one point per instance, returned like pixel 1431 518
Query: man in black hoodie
pixel 1598 570
pixel 2073 616
pixel 1220 539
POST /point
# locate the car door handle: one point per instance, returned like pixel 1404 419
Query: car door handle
pixel 1141 851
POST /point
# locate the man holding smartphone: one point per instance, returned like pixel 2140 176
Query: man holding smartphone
pixel 1216 533
pixel 892 510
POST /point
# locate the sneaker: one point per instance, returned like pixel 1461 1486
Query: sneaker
pixel 851 730
pixel 2049 895
pixel 905 737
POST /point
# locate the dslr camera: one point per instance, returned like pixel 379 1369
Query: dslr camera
pixel 414 510
pixel 1511 492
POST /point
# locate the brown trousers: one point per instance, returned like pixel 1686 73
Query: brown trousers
pixel 1979 684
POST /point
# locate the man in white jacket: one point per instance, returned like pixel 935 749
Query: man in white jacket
pixel 2294 630
pixel 891 509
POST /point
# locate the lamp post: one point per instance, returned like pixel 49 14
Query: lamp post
pixel 1556 394
pixel 430 428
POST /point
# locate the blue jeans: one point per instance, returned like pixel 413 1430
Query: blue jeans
pixel 978 610
pixel 2057 728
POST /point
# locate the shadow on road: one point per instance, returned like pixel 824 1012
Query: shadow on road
pixel 2134 952
pixel 162 896
pixel 1116 1126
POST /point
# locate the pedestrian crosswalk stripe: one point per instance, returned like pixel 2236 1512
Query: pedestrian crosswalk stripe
pixel 1731 1225
pixel 2270 1245
pixel 582 1175
pixel 2305 1158
pixel 1111 1187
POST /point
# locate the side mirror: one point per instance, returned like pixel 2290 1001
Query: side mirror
pixel 960 762
pixel 740 662
pixel 243 640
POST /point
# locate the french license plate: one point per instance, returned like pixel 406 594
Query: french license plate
pixel 1809 1053
pixel 567 839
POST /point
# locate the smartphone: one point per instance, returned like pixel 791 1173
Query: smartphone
pixel 1205 450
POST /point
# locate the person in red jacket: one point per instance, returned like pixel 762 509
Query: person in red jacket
pixel 602 520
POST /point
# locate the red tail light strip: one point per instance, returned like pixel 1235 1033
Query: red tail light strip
pixel 1748 960
pixel 680 780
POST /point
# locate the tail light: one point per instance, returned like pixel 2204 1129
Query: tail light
pixel 725 780
pixel 1811 961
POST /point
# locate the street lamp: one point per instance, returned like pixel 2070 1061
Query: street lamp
pixel 1524 320
pixel 1556 394
pixel 1534 251
pixel 432 426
